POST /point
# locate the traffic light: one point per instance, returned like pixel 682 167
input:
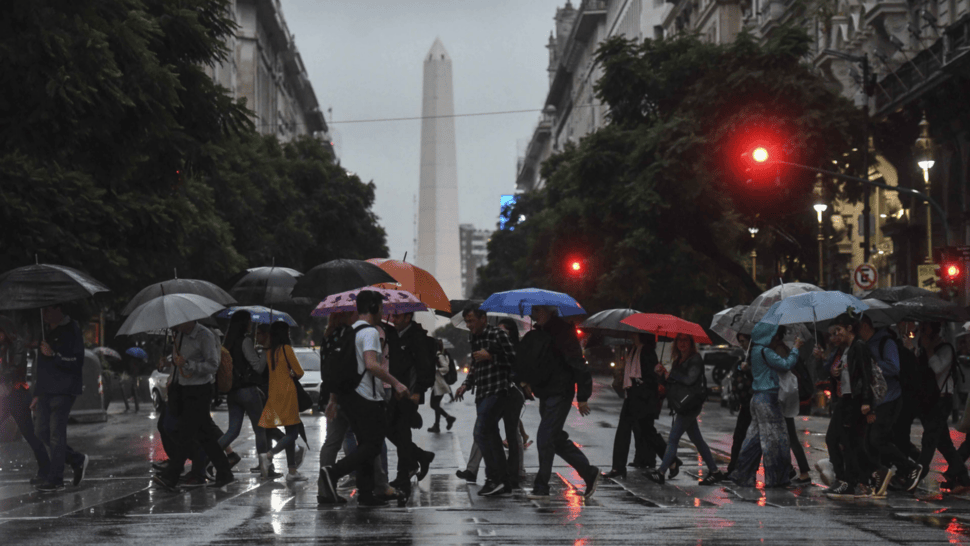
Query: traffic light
pixel 757 162
pixel 950 273
pixel 575 267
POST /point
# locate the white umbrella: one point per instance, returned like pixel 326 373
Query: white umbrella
pixel 759 307
pixel 727 323
pixel 168 311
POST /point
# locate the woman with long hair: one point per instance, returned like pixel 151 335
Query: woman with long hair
pixel 15 397
pixel 244 397
pixel 687 370
pixel 282 407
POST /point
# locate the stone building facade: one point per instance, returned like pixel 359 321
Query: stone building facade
pixel 474 254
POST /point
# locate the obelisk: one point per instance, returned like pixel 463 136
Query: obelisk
pixel 438 241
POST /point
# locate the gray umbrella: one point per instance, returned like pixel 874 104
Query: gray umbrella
pixel 167 311
pixel 41 285
pixel 265 286
pixel 928 308
pixel 608 322
pixel 895 294
pixel 179 286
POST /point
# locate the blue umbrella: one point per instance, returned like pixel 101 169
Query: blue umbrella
pixel 261 315
pixel 520 302
pixel 812 307
pixel 137 352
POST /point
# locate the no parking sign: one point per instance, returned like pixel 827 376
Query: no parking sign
pixel 865 277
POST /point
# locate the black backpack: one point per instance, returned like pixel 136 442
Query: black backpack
pixel 451 377
pixel 338 362
pixel 535 359
pixel 806 387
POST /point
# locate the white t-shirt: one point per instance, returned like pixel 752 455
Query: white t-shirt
pixel 368 339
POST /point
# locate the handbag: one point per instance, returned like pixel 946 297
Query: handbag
pixel 685 399
pixel 788 394
pixel 303 400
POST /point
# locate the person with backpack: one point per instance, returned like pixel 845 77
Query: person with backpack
pixel 357 385
pixel 243 398
pixel 853 406
pixel 568 376
pixel 490 378
pixel 446 367
pixel 767 437
pixel 937 360
pixel 282 407
pixel 909 381
pixel 882 450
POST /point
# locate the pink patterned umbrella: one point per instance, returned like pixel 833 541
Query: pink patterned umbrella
pixel 395 302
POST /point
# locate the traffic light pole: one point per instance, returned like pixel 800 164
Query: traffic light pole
pixel 923 197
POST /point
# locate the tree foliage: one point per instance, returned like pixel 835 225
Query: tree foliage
pixel 119 155
pixel 655 202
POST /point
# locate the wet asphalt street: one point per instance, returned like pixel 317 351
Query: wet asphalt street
pixel 116 505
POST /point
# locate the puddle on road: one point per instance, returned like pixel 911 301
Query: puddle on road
pixel 958 528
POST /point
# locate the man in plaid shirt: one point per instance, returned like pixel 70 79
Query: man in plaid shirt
pixel 492 353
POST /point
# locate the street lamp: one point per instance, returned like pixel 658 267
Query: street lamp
pixel 924 158
pixel 754 256
pixel 820 207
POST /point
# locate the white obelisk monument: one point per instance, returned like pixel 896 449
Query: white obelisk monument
pixel 438 243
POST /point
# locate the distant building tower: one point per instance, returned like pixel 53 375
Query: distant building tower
pixel 437 249
pixel 474 254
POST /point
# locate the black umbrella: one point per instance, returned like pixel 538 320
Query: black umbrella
pixel 41 285
pixel 457 306
pixel 895 294
pixel 931 308
pixel 265 286
pixel 338 276
pixel 179 286
pixel 609 322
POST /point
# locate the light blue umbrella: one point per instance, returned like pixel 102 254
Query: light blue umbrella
pixel 261 315
pixel 812 307
pixel 520 302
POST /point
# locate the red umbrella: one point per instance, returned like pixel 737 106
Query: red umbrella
pixel 666 326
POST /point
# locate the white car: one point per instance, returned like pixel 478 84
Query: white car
pixel 309 358
pixel 158 386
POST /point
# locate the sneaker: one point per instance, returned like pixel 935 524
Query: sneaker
pixel 224 480
pixel 469 477
pixel 591 483
pixel 80 469
pixel 911 480
pixel 435 429
pixel 192 480
pixel 327 489
pixel 490 488
pixel 841 488
pixel 614 473
pixel 655 476
pixel 449 422
pixel 48 487
pixel 424 462
pixel 500 490
pixel 162 465
pixel 713 478
pixel 880 480
pixel 292 477
pixel 234 459
pixel 371 501
pixel 538 494
pixel 165 484
pixel 802 481
pixel 298 456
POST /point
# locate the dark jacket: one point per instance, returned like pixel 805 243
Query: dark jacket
pixel 644 395
pixel 415 363
pixel 573 372
pixel 860 371
pixel 687 372
pixel 61 373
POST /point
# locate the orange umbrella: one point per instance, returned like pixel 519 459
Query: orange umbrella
pixel 416 281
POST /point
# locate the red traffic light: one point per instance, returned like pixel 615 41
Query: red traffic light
pixel 760 154
pixel 952 271
pixel 576 267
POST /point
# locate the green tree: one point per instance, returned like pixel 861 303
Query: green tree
pixel 655 202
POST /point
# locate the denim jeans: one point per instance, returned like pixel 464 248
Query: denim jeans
pixel 52 413
pixel 488 438
pixel 552 440
pixel 339 433
pixel 681 424
pixel 244 401
pixel 17 405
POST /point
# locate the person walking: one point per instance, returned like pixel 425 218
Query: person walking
pixel 365 408
pixel 129 379
pixel 282 406
pixel 59 382
pixel 884 453
pixel 741 390
pixel 490 378
pixel 767 437
pixel 852 407
pixel 196 358
pixel 15 397
pixel 440 389
pixel 640 405
pixel 243 398
pixel 570 378
pixel 688 370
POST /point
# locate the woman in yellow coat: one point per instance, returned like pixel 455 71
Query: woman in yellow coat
pixel 281 405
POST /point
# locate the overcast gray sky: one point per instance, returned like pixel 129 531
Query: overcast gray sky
pixel 364 58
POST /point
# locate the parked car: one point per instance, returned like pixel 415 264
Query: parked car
pixel 718 360
pixel 158 386
pixel 309 358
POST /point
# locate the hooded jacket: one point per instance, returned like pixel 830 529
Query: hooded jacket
pixel 573 373
pixel 765 362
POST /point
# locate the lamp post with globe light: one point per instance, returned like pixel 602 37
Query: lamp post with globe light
pixel 924 159
pixel 754 256
pixel 820 207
